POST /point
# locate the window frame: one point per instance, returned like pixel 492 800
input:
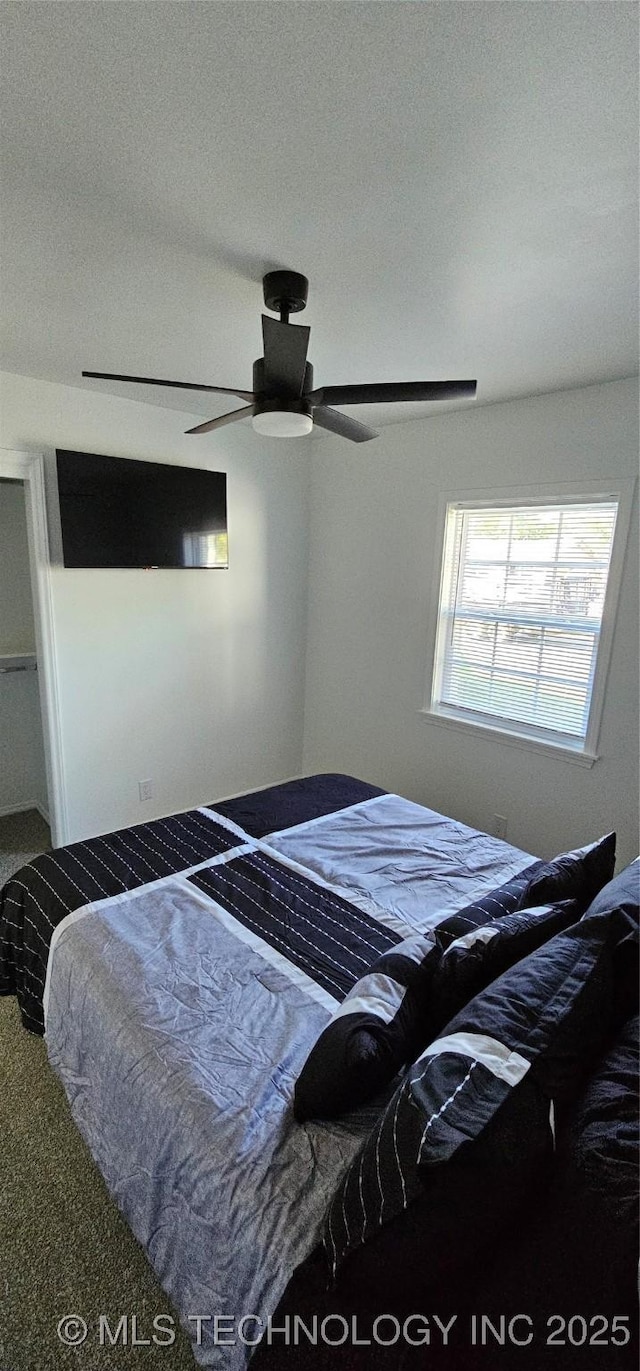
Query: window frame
pixel 582 751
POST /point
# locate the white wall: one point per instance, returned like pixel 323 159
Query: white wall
pixel 197 679
pixel 373 535
pixel 193 679
pixel 22 772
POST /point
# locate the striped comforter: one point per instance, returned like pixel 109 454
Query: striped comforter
pixel 184 969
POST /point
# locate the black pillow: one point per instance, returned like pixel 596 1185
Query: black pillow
pixel 599 1152
pixel 622 892
pixel 473 961
pixel 577 875
pixel 475 1114
pixel 392 1011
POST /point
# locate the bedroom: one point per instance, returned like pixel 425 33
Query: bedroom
pixel 456 216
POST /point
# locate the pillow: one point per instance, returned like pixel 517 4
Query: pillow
pixel 391 1012
pixel 379 1027
pixel 623 894
pixel 475 1114
pixel 622 891
pixel 577 875
pixel 367 1038
pixel 473 961
pixel 600 1150
pixel 404 1001
pixel 573 1248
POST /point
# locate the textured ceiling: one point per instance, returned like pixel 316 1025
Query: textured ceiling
pixel 457 180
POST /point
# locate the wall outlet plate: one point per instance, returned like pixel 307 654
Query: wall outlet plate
pixel 145 790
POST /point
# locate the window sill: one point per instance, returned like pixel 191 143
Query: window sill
pixel 522 740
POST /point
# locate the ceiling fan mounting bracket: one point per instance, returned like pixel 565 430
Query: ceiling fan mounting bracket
pixel 285 292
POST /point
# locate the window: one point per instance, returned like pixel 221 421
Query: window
pixel 522 598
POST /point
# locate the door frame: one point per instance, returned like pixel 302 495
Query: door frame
pixel 28 467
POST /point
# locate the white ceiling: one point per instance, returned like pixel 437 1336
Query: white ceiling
pixel 457 180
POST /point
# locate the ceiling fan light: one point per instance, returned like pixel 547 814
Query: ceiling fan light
pixel 282 423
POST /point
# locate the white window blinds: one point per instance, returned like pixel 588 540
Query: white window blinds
pixel 521 605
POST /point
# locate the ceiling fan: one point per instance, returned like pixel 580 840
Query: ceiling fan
pixel 283 402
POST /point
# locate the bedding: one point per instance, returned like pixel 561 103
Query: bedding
pixel 370 1034
pixel 406 997
pixel 524 1212
pixel 184 969
pixel 409 993
pixel 504 1065
pixel 40 895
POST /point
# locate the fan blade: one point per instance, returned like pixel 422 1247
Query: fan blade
pixel 339 423
pixel 389 392
pixel 223 419
pixel 183 385
pixel 285 357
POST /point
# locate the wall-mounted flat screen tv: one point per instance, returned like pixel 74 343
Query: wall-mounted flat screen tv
pixel 116 512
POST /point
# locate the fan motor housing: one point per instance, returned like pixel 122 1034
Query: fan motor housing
pixel 266 406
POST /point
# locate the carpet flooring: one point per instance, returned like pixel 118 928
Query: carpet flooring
pixel 22 836
pixel 64 1247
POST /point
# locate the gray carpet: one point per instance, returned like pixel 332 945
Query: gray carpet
pixel 22 836
pixel 64 1247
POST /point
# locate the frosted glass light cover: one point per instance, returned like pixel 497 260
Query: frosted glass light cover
pixel 280 423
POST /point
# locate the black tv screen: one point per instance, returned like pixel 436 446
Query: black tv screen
pixel 116 512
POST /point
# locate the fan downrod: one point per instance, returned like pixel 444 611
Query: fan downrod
pixel 285 292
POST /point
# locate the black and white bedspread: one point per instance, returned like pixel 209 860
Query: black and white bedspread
pixel 42 894
pixel 183 969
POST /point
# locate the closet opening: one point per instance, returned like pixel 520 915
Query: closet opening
pixel 24 800
pixel 32 810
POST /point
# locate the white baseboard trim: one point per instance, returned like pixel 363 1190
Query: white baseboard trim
pixel 22 807
pixel 237 794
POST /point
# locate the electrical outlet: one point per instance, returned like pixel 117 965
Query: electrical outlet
pixel 500 825
pixel 145 790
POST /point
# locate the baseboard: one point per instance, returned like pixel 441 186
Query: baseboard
pixel 22 808
pixel 237 794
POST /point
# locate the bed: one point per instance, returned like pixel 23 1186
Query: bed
pixel 183 971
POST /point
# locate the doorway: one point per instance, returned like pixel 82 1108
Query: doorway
pixel 31 788
pixel 23 781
